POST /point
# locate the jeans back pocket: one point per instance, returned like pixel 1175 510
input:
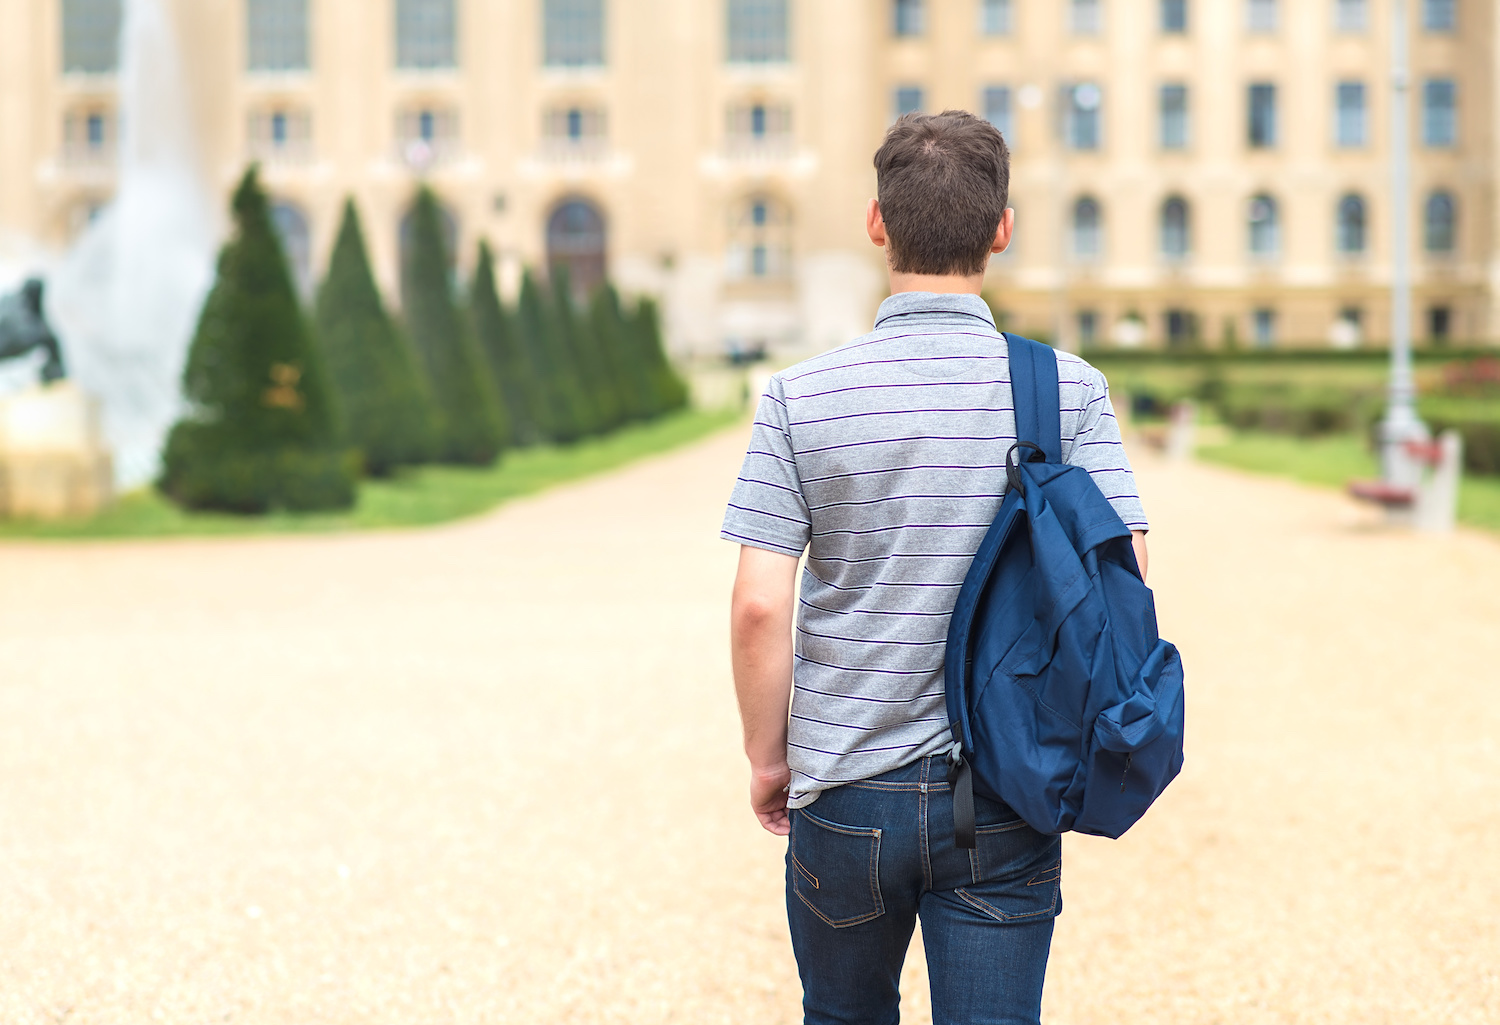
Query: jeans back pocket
pixel 835 869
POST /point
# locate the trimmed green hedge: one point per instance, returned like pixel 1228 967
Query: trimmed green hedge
pixel 1477 421
pixel 1302 412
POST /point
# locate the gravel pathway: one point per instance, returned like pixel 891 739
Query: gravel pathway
pixel 490 773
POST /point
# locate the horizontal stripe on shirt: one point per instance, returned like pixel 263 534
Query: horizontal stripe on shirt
pixel 863 457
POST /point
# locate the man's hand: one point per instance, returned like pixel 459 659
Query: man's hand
pixel 1138 542
pixel 761 650
pixel 768 798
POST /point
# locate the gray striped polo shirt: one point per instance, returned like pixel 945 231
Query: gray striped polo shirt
pixel 884 459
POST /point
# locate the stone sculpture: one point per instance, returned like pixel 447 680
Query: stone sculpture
pixel 24 329
pixel 53 462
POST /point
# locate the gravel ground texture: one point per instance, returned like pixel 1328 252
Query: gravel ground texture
pixel 491 773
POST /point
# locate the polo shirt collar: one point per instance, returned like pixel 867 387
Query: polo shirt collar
pixel 933 308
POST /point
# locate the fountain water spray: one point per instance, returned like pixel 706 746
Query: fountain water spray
pixel 126 299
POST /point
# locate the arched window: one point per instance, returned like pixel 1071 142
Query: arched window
pixel 760 239
pixel 576 240
pixel 426 34
pixel 1351 224
pixel 1176 237
pixel 1440 223
pixel 1265 226
pixel 450 236
pixel 1087 240
pixel 573 33
pixel 90 36
pixel 296 241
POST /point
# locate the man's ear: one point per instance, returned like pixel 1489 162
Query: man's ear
pixel 1003 232
pixel 874 223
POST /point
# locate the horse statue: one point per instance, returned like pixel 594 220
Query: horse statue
pixel 24 327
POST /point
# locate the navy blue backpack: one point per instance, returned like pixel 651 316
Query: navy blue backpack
pixel 1066 704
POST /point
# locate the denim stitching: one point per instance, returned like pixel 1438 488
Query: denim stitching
pixel 922 809
pixel 846 830
pixel 803 869
pixel 890 786
pixel 996 913
pixel 1051 875
pixel 844 923
pixel 1001 827
pixel 874 834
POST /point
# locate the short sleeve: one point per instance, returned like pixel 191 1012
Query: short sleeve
pixel 766 509
pixel 1096 444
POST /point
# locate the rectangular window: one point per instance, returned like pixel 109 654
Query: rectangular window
pixel 427 135
pixel 759 125
pixel 908 99
pixel 573 127
pixel 277 35
pixel 997 110
pixel 1350 15
pixel 996 17
pixel 426 34
pixel 1174 116
pixel 1260 15
pixel 1262 133
pixel 90 36
pixel 1087 17
pixel 1174 15
pixel 573 33
pixel 1088 327
pixel 1182 328
pixel 88 138
pixel 757 31
pixel 1263 327
pixel 1081 115
pixel 280 135
pixel 910 17
pixel 1440 324
pixel 1439 112
pixel 1349 120
pixel 1439 15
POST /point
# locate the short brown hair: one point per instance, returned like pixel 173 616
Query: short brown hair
pixel 943 181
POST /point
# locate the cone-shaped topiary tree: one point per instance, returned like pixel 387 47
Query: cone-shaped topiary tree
pixel 469 425
pixel 515 382
pixel 262 429
pixel 575 337
pixel 563 411
pixel 381 386
pixel 628 374
pixel 669 390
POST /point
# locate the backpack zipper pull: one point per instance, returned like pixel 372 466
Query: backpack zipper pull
pixel 1125 773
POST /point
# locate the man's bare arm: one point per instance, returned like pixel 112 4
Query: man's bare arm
pixel 761 651
pixel 1138 542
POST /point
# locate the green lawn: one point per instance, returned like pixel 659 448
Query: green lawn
pixel 428 495
pixel 1334 461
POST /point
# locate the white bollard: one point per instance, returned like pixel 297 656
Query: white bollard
pixel 1437 496
pixel 1182 436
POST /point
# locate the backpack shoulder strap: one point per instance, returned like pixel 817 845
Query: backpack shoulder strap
pixel 1033 384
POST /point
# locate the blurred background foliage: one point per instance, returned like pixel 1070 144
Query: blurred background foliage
pixel 1312 415
pixel 288 409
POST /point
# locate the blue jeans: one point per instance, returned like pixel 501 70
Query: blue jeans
pixel 867 858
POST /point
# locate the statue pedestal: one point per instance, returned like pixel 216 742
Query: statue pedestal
pixel 53 463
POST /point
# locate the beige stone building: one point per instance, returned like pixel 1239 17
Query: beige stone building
pixel 1186 171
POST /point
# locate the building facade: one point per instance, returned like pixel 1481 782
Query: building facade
pixel 1186 172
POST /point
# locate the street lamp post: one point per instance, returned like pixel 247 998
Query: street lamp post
pixel 1399 467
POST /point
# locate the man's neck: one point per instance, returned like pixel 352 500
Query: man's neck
pixel 946 284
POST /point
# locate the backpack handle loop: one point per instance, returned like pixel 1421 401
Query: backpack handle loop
pixel 1013 463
